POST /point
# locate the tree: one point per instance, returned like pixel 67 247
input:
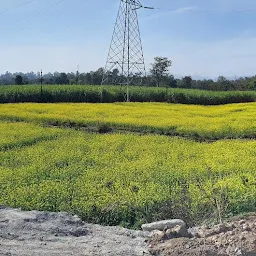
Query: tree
pixel 62 79
pixel 160 69
pixel 96 77
pixel 114 75
pixel 19 80
pixel 77 77
pixel 187 82
pixel 87 78
pixel 224 83
pixel 173 82
pixel 252 85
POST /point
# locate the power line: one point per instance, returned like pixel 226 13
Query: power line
pixel 41 9
pixel 18 5
pixel 50 14
pixel 177 10
pixel 198 10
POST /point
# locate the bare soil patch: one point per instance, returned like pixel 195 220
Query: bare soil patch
pixel 43 233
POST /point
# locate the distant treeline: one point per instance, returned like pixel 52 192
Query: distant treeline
pixel 110 94
pixel 95 78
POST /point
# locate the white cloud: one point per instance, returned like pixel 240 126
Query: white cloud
pixel 186 9
pixel 156 14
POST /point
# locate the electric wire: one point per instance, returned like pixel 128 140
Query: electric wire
pixel 18 5
pixel 69 28
pixel 39 10
pixel 198 10
pixel 177 10
pixel 148 8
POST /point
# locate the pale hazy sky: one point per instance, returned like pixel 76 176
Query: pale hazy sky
pixel 204 38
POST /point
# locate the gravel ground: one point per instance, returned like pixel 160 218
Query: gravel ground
pixel 42 233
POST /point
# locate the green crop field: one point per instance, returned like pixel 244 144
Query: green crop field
pixel 126 178
pixel 110 94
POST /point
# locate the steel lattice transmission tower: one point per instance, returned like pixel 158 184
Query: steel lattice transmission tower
pixel 125 61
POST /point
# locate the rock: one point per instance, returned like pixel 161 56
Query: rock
pixel 246 227
pixel 241 222
pixel 243 236
pixel 177 232
pixel 158 235
pixel 195 232
pixel 238 251
pixel 161 225
pixel 231 233
pixel 181 231
pixel 78 232
pixel 221 228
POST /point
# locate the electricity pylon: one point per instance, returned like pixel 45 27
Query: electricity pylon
pixel 125 61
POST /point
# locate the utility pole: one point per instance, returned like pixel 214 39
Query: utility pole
pixel 125 52
pixel 77 73
pixel 41 82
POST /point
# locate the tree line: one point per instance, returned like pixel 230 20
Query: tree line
pixel 158 76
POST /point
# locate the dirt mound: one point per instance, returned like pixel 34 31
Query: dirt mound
pixel 237 237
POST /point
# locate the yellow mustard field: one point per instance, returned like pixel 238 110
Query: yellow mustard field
pixel 20 134
pixel 126 178
pixel 210 122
